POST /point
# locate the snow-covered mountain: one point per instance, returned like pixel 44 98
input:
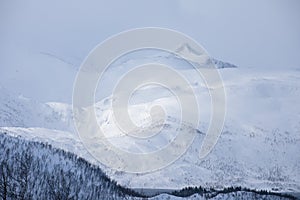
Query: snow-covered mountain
pixel 34 170
pixel 19 111
pixel 259 146
pixel 220 64
pixel 191 55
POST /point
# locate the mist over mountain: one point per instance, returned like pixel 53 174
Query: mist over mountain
pixel 261 112
pixel 253 46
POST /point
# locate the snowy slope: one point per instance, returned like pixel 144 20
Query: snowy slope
pixel 34 170
pixel 259 146
pixel 18 111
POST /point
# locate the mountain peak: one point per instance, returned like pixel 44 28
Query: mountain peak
pixel 221 64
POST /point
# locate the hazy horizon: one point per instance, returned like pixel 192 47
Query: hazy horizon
pixel 249 34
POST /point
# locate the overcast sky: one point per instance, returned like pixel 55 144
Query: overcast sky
pixel 246 33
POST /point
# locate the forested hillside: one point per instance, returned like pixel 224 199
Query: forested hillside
pixel 31 170
pixel 34 170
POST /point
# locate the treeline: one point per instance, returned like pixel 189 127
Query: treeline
pixel 211 192
pixel 33 170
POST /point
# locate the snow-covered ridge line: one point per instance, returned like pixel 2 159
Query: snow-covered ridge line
pixel 190 55
pixel 221 64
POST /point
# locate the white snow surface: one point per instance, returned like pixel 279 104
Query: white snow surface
pixel 259 146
